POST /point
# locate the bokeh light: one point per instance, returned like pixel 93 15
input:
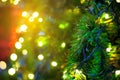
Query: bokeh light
pixel 23 28
pixel 4 0
pixel 54 63
pixel 40 20
pixel 11 71
pixel 31 76
pixel 35 14
pixel 108 49
pixel 24 14
pixel 118 1
pixel 107 16
pixel 31 19
pixel 24 52
pixel 18 45
pixel 40 44
pixel 63 45
pixel 13 57
pixel 117 73
pixel 21 39
pixel 3 65
pixel 40 57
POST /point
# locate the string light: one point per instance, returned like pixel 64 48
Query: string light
pixel 3 65
pixel 24 52
pixel 31 76
pixel 40 57
pixel 4 0
pixel 11 71
pixel 118 1
pixel 54 63
pixel 24 13
pixel 18 45
pixel 13 57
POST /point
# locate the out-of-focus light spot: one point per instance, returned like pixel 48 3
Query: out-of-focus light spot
pixel 31 76
pixel 4 0
pixel 63 25
pixel 82 1
pixel 17 65
pixel 40 20
pixel 35 14
pixel 117 73
pixel 24 52
pixel 63 45
pixel 41 33
pixel 107 16
pixel 40 57
pixel 31 19
pixel 23 28
pixel 15 2
pixel 24 13
pixel 78 71
pixel 54 63
pixel 13 57
pixel 40 44
pixel 76 10
pixel 11 71
pixel 18 45
pixel 3 65
pixel 21 39
pixel 108 49
pixel 118 1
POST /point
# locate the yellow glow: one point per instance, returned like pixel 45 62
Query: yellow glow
pixel 31 19
pixel 31 76
pixel 15 2
pixel 117 73
pixel 11 71
pixel 18 45
pixel 63 45
pixel 13 57
pixel 40 20
pixel 21 39
pixel 3 65
pixel 54 63
pixel 24 13
pixel 82 1
pixel 4 0
pixel 17 66
pixel 35 14
pixel 40 44
pixel 40 57
pixel 23 28
pixel 118 1
pixel 24 52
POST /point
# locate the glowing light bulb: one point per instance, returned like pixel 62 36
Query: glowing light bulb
pixel 3 65
pixel 54 63
pixel 24 52
pixel 40 57
pixel 40 44
pixel 117 73
pixel 31 19
pixel 31 76
pixel 13 57
pixel 21 39
pixel 11 71
pixel 23 28
pixel 18 45
pixel 118 1
pixel 24 13
pixel 35 14
pixel 4 0
pixel 63 45
pixel 40 20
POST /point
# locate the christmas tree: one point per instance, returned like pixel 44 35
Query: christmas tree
pixel 36 39
pixel 95 50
